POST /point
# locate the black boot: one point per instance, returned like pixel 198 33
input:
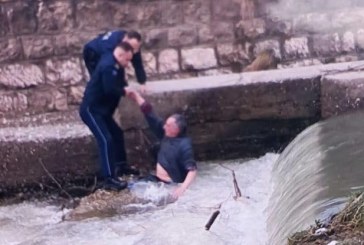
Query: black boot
pixel 113 184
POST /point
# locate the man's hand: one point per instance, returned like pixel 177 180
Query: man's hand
pixel 129 91
pixel 143 89
pixel 134 95
pixel 178 192
pixel 183 187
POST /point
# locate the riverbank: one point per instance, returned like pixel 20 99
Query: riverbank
pixel 345 228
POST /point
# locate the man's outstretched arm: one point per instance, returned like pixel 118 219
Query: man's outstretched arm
pixel 155 123
pixel 137 62
pixel 140 74
pixel 191 175
pixel 187 158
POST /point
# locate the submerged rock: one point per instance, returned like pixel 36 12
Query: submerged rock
pixel 140 198
pixel 103 204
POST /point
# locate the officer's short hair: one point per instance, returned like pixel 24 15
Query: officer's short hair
pixel 181 123
pixel 134 34
pixel 126 47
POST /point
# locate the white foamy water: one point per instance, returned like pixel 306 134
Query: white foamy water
pixel 241 221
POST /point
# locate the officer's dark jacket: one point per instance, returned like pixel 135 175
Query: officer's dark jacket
pixel 106 43
pixel 105 88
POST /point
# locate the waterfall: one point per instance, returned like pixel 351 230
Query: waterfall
pixel 315 174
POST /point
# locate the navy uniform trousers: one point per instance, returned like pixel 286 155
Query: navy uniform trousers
pixel 110 140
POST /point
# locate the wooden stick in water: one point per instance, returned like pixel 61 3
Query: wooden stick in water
pixel 235 183
pixel 212 220
pixel 236 186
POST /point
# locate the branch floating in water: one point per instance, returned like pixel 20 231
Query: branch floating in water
pixel 212 219
pixel 236 186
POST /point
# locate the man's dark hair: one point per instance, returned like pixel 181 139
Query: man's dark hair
pixel 181 123
pixel 126 46
pixel 134 34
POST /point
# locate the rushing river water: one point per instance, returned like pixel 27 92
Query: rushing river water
pixel 241 221
pixel 311 179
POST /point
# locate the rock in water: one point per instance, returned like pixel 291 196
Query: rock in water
pixel 102 203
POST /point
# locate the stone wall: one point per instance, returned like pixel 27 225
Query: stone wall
pixel 229 116
pixel 41 69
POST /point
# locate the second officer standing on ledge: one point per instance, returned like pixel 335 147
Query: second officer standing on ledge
pixel 106 43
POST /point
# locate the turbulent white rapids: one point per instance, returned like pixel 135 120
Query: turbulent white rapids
pixel 241 221
pixel 282 194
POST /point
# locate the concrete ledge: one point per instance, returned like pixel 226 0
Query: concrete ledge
pixel 230 116
pixel 342 93
pixel 296 99
pixel 284 94
pixel 51 118
pixel 66 150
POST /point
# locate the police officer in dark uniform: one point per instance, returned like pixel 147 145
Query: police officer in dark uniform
pixel 101 97
pixel 106 43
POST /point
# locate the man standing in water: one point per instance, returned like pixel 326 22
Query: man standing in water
pixel 176 162
pixel 105 43
pixel 101 97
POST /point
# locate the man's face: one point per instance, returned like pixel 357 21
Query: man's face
pixel 123 57
pixel 134 43
pixel 171 128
